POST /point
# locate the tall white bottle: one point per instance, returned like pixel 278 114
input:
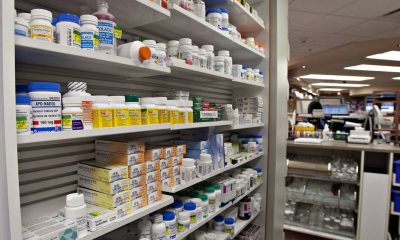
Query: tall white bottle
pixel 75 210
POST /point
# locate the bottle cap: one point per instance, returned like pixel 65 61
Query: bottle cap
pixel 158 218
pixel 77 86
pixel 189 103
pixel 185 41
pixel 213 10
pixel 189 206
pixel 101 99
pixel 67 17
pixel 86 18
pixel 202 51
pixel 21 88
pixel 203 197
pixel 131 98
pixel 219 218
pixel 183 216
pixel 147 100
pixel 208 47
pixel 41 13
pixel 168 216
pixel 172 102
pixel 258 169
pixel 196 200
pixel 24 15
pixel 205 157
pixel 150 43
pixel 21 21
pixel 193 194
pixel 23 100
pixel 188 162
pixel 74 200
pixel 224 53
pixel 245 142
pixel 161 100
pixel 219 58
pixel 173 43
pixel 144 53
pixel 44 86
pixel 224 10
pixel 209 190
pixel 177 204
pixel 117 99
pixel 161 46
pixel 216 186
pixel 229 221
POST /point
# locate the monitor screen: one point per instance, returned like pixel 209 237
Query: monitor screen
pixel 387 107
pixel 341 109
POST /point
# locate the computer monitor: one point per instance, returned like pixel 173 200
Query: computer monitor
pixel 341 109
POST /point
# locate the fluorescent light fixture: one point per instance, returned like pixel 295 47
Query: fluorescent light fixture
pixel 374 68
pixel 336 77
pixel 331 89
pixel 339 85
pixel 396 78
pixel 390 55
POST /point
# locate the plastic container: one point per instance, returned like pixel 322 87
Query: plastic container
pixel 218 194
pixel 139 52
pixel 21 27
pixel 21 89
pixel 106 26
pixel 210 56
pixel 214 17
pixel 224 18
pixel 78 89
pixel 45 97
pixel 172 48
pixel 190 207
pixel 195 56
pixel 149 111
pixel 102 112
pixel 41 27
pixel 180 104
pixel 120 111
pixel 219 64
pixel 256 74
pixel 183 221
pixel 89 32
pixel 75 210
pixel 199 9
pixel 144 227
pixel 203 58
pixel 219 223
pixel 72 114
pixel 153 49
pixel 134 110
pixel 230 227
pixel 185 50
pixel 23 115
pixel 188 108
pixel 244 72
pixel 161 54
pixel 250 42
pixel 237 71
pixel 199 207
pixel 173 112
pixel 177 206
pixel 188 170
pixel 209 191
pixel 68 30
pixel 163 113
pixel 170 223
pixel 249 74
pixel 245 208
pixel 227 61
pixel 252 147
pixel 158 229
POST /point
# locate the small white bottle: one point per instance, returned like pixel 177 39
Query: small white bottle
pixel 161 54
pixel 139 52
pixel 227 62
pixel 75 210
pixel 203 58
pixel 24 115
pixel 170 223
pixel 183 221
pixel 41 27
pixel 196 56
pixel 89 32
pixel 158 229
pixel 325 133
pixel 209 191
pixel 199 208
pixel 144 227
pixel 210 56
pixel 188 170
pixel 68 30
pixel 152 45
pixel 72 114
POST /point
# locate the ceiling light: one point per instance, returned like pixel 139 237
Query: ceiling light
pixel 339 85
pixel 303 66
pixel 396 78
pixel 338 93
pixel 374 68
pixel 331 89
pixel 298 79
pixel 390 55
pixel 336 77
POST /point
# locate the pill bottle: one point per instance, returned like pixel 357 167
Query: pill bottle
pixel 218 195
pixel 189 110
pixel 249 74
pixel 41 27
pixel 152 45
pixel 72 114
pixel 68 30
pixel 45 97
pixel 227 61
pixel 203 58
pixel 134 110
pixel 185 50
pixel 182 111
pixel 209 191
pixel 177 206
pixel 224 18
pixel 75 210
pixel 245 208
pixel 161 54
pixel 190 207
pixel 214 17
pixel 195 56
pixel 106 26
pixel 144 227
pixel 199 208
pixel 199 9
pixel 183 221
pixel 218 223
pixel 237 71
pixel 170 224
pixel 21 27
pixel 102 112
pixel 158 229
pixel 256 72
pixel 188 170
pixel 259 174
pixel 230 227
pixel 210 56
pixel 219 64
pixel 89 33
pixel 163 112
pixel 250 42
pixel 21 89
pixel 210 236
pixel 76 89
pixel 139 52
pixel 24 115
pixel 244 73
pixel 172 48
pixel 120 111
pixel 205 208
pixel 252 147
pixel 149 110
pixel 173 112
pixel 261 77
pixel 26 16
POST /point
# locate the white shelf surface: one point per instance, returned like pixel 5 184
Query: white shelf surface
pixel 200 125
pixel 165 201
pixel 184 23
pixel 247 126
pixel 239 83
pixel 48 54
pixel 394 183
pixel 392 212
pixel 193 228
pixel 241 224
pixel 315 232
pixel 181 187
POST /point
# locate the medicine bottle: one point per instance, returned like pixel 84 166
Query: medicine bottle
pixel 172 48
pixel 183 114
pixel 106 26
pixel 219 223
pixel 195 56
pixel 134 110
pixel 189 110
pixel 250 42
pixel 188 170
pixel 227 61
pixel 183 221
pixel 149 110
pixel 199 9
pixel 244 73
pixel 163 112
pixel 199 208
pixel 177 206
pixel 214 17
pixel 144 227
pixel 45 97
pixel 203 58
pixel 72 114
pixel 161 54
pixel 158 229
pixel 245 208
pixel 24 115
pixel 185 50
pixel 102 112
pixel 120 111
pixel 209 191
pixel 249 74
pixel 89 32
pixel 219 64
pixel 41 27
pixel 224 17
pixel 218 195
pixel 21 89
pixel 76 89
pixel 237 71
pixel 259 174
pixel 26 16
pixel 230 227
pixel 173 112
pixel 190 207
pixel 210 56
pixel 205 207
pixel 75 210
pixel 139 52
pixel 152 45
pixel 204 165
pixel 21 27
pixel 256 72
pixel 68 30
pixel 170 223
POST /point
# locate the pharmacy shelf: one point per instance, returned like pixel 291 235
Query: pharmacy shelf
pixel 238 83
pixel 66 135
pixel 48 54
pixel 200 125
pixel 321 178
pixel 392 211
pixel 241 224
pixel 239 16
pixel 196 226
pixel 181 187
pixel 247 126
pixel 322 203
pixel 316 233
pixel 144 211
pixel 394 183
pixel 184 23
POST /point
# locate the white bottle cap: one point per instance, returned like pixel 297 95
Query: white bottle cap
pixel 24 15
pixel 117 99
pixel 90 19
pixel 181 103
pixel 41 13
pixel 21 21
pixel 196 200
pixel 189 103
pixel 161 46
pixel 224 53
pixel 195 49
pixel 183 216
pixel 161 100
pixel 172 103
pixel 208 47
pixel 150 43
pixel 205 157
pixel 202 51
pixel 74 200
pixel 173 43
pixel 185 41
pixel 101 99
pixel 219 58
pixel 188 162
pixel 148 100
pixel 77 86
pixel 158 218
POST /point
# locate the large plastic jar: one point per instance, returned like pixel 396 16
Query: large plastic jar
pixel 152 45
pixel 219 64
pixel 183 221
pixel 218 194
pixel 185 50
pixel 102 112
pixel 172 48
pixel 224 17
pixel 214 17
pixel 149 110
pixel 163 113
pixel 230 227
pixel 210 56
pixel 188 170
pixel 21 27
pixel 134 110
pixel 195 56
pixel 218 223
pixel 173 112
pixel 190 207
pixel 203 58
pixel 68 30
pixel 139 52
pixel 161 54
pixel 209 191
pixel 41 27
pixel 120 111
pixel 199 9
pixel 89 32
pixel 199 209
pixel 106 25
pixel 170 223
pixel 227 61
pixel 24 114
pixel 204 200
pixel 45 98
pixel 72 114
pixel 158 229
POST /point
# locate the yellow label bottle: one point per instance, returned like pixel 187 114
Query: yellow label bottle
pixel 149 111
pixel 120 111
pixel 163 113
pixel 102 112
pixel 173 112
pixel 134 110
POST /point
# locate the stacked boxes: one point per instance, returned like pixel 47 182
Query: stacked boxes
pixel 205 111
pixel 250 109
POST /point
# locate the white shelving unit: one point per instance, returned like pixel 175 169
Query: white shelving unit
pixel 200 125
pixel 315 232
pixel 241 224
pixel 247 126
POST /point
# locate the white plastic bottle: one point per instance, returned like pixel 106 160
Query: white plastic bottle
pixel 102 112
pixel 227 61
pixel 68 30
pixel 172 48
pixel 106 25
pixel 139 52
pixel 144 227
pixel 120 111
pixel 219 64
pixel 173 112
pixel 170 223
pixel 149 110
pixel 183 221
pixel 185 50
pixel 183 113
pixel 24 115
pixel 161 54
pixel 72 114
pixel 188 170
pixel 152 45
pixel 134 110
pixel 199 208
pixel 163 113
pixel 195 56
pixel 218 195
pixel 209 191
pixel 158 229
pixel 210 56
pixel 325 132
pixel 89 32
pixel 75 210
pixel 203 58
pixel 21 27
pixel 41 27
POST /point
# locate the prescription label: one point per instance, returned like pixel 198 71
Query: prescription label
pixel 46 114
pixel 120 117
pixel 134 117
pixel 106 36
pixel 89 40
pixel 42 32
pixel 102 118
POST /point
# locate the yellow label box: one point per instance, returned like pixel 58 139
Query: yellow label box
pixel 154 187
pixel 139 203
pixel 153 176
pixel 105 200
pixel 154 197
pixel 138 181
pixel 124 159
pixel 103 187
pixel 153 166
pixel 107 172
pixel 124 209
pixel 124 147
pixel 138 192
pixel 137 170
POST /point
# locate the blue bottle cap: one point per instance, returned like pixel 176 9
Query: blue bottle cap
pixel 44 86
pixel 229 221
pixel 245 142
pixel 67 17
pixel 219 218
pixel 189 206
pixel 168 216
pixel 23 100
pixel 177 204
pixel 258 169
pixel 224 10
pixel 21 88
pixel 244 67
pixel 257 136
pixel 213 10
